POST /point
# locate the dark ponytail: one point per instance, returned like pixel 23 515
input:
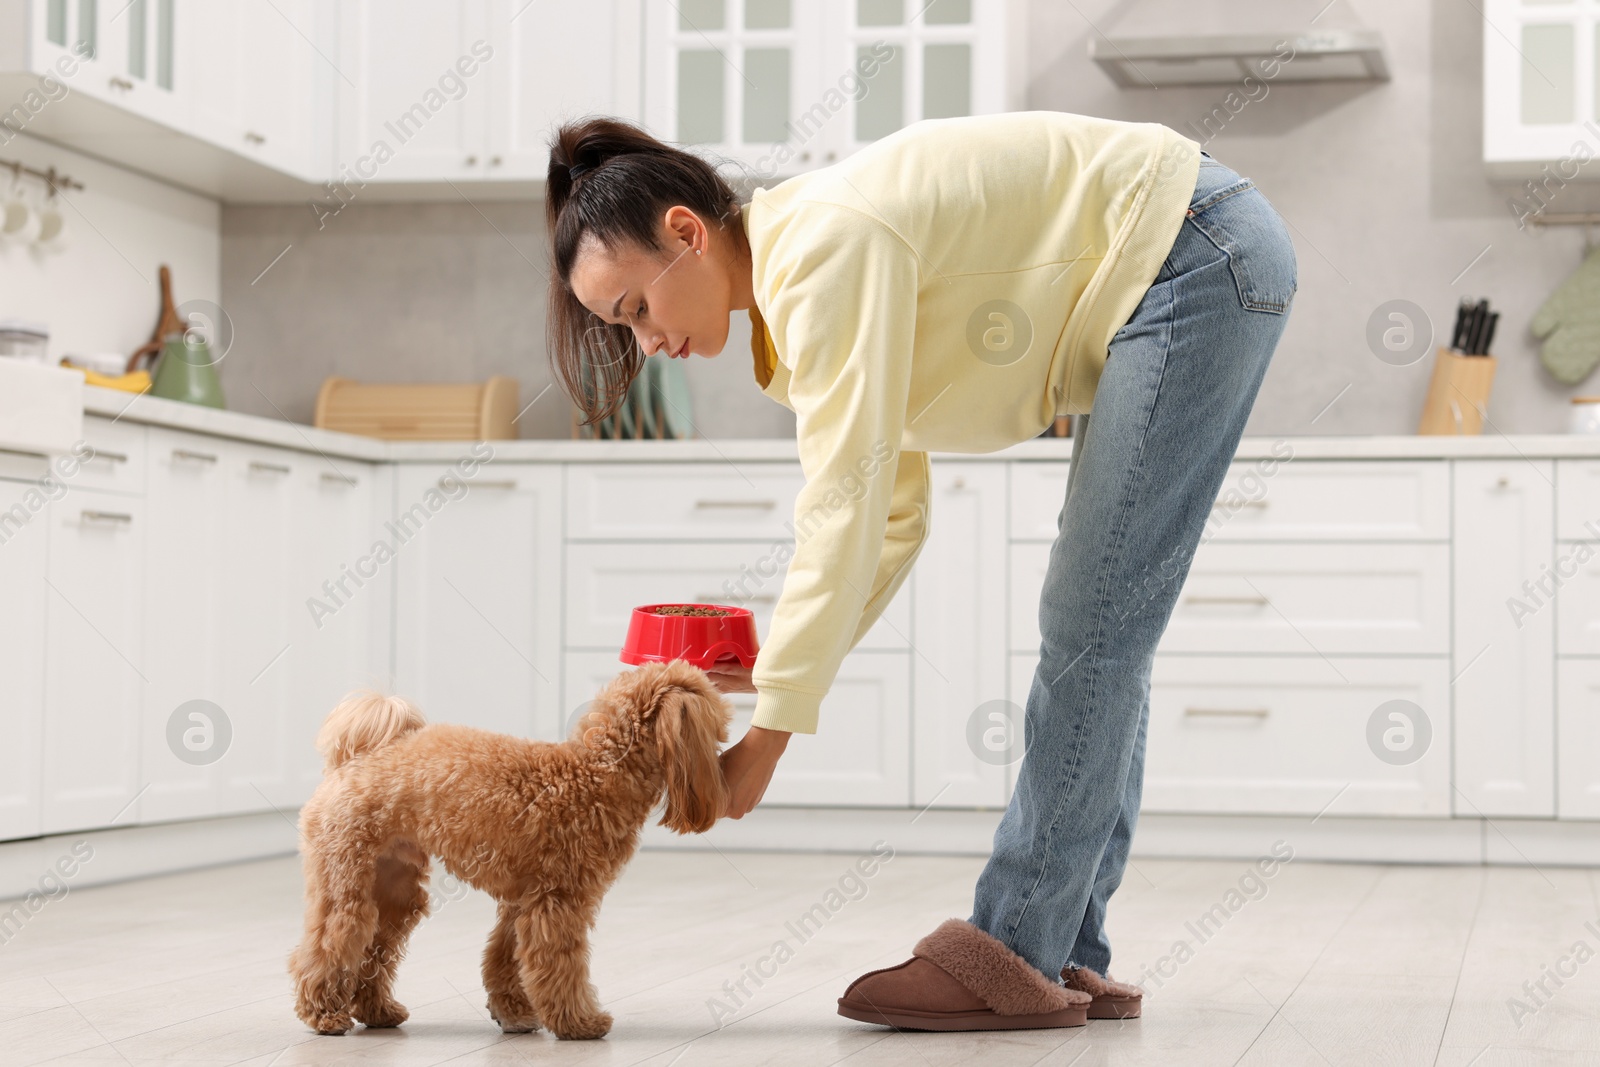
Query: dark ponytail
pixel 612 182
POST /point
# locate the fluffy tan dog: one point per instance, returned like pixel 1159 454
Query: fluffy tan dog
pixel 542 827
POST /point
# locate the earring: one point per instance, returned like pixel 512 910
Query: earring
pixel 698 251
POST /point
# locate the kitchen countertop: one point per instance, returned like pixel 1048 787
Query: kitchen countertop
pixel 154 411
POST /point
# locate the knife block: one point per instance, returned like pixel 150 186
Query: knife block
pixel 1458 394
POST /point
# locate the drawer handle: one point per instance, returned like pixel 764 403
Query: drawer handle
pixel 1198 598
pixel 339 479
pixel 269 468
pixel 759 505
pixel 197 457
pixel 109 457
pixel 475 483
pixel 760 598
pixel 1242 504
pixel 1227 713
pixel 121 518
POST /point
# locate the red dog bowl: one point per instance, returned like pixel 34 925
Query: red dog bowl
pixel 699 639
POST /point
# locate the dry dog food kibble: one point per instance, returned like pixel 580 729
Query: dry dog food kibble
pixel 688 609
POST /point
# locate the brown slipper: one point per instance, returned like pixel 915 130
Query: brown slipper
pixel 1112 1000
pixel 961 978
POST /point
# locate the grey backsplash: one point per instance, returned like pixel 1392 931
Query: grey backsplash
pixel 1381 183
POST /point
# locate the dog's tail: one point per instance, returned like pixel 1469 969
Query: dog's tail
pixel 364 721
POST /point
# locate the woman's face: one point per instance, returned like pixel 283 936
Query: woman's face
pixel 676 300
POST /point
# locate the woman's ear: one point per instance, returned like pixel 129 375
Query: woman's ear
pixel 691 725
pixel 680 224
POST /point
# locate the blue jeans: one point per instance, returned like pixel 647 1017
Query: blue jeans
pixel 1147 464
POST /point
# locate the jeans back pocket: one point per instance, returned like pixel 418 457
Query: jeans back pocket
pixel 1243 225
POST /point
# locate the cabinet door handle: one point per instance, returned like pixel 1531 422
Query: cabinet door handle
pixel 1198 598
pixel 1227 713
pixel 121 518
pixel 494 161
pixel 121 84
pixel 711 598
pixel 759 505
pixel 269 468
pixel 1243 504
pixel 340 479
pixel 197 457
pixel 472 161
pixel 252 137
pixel 504 483
pixel 109 457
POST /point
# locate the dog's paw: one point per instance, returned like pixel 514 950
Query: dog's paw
pixel 332 1024
pixel 382 1016
pixel 514 1014
pixel 583 1027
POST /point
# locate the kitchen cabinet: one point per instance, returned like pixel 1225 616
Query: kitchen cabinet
pixel 124 52
pixel 1541 93
pixel 95 666
pixel 1290 735
pixel 478 595
pixel 785 87
pixel 260 70
pixel 24 592
pixel 607 580
pixel 1504 642
pixel 188 557
pixel 469 92
pixel 958 635
pixel 1579 728
pixel 257 608
pixel 340 603
pixel 261 598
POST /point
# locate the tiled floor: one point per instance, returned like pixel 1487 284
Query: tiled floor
pixel 1321 964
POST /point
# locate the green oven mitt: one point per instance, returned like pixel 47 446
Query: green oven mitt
pixel 1569 324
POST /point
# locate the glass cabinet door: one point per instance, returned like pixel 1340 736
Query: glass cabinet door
pixel 917 59
pixel 734 76
pixel 1541 92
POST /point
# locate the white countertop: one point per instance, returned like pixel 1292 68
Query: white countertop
pixel 153 411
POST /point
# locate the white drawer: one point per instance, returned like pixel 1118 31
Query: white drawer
pixel 1310 500
pixel 118 463
pixel 860 754
pixel 1577 598
pixel 1327 599
pixel 1037 492
pixel 1578 726
pixel 687 501
pixel 1290 736
pixel 605 582
pixel 1577 500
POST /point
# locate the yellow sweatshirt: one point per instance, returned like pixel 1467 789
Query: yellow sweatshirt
pixel 950 288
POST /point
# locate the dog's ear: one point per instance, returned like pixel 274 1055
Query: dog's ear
pixel 691 725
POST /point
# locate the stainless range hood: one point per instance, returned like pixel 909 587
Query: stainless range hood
pixel 1211 42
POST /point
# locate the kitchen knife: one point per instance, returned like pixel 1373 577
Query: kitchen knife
pixel 1480 312
pixel 1458 338
pixel 1488 332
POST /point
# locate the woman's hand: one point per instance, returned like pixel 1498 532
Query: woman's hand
pixel 748 767
pixel 730 677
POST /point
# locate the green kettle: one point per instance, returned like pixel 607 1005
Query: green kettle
pixel 187 372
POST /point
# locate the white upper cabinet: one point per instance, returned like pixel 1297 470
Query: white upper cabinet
pixel 471 91
pixel 268 100
pixel 256 69
pixel 784 87
pixel 116 51
pixel 1541 95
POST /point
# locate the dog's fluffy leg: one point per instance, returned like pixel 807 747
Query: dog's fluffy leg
pixel 508 1002
pixel 402 902
pixel 553 954
pixel 340 921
